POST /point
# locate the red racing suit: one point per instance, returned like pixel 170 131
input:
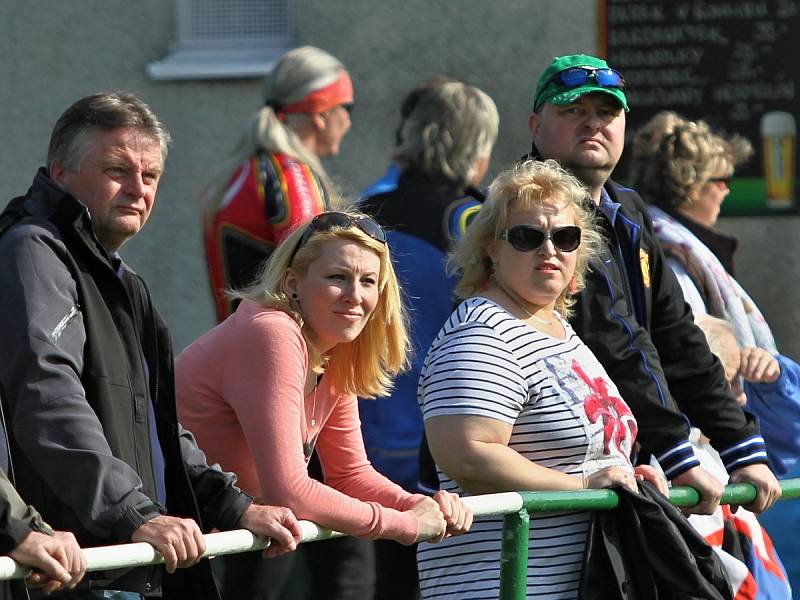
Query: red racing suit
pixel 266 198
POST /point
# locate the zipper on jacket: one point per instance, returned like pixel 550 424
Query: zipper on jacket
pixel 661 394
pixel 618 258
pixel 635 292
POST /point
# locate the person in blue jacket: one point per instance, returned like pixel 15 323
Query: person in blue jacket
pixel 446 141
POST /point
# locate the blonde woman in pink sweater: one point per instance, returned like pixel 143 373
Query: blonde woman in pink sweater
pixel 279 378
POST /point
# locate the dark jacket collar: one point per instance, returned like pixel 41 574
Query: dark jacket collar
pixel 414 177
pixel 45 200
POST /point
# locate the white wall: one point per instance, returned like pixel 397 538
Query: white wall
pixel 56 52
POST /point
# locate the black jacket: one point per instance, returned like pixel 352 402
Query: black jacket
pixel 429 207
pixel 633 317
pixel 78 425
pixel 645 549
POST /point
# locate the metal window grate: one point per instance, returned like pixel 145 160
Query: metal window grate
pixel 226 38
pixel 233 22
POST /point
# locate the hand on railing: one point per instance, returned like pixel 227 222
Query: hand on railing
pixel 708 487
pixel 57 560
pixel 768 488
pixel 179 541
pixel 611 477
pixel 431 525
pixel 648 473
pixel 274 522
pixel 457 514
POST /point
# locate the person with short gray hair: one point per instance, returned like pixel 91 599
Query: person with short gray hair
pixel 445 143
pixel 450 133
pixel 69 142
pixel 87 375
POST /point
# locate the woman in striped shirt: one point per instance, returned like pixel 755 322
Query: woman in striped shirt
pixel 512 399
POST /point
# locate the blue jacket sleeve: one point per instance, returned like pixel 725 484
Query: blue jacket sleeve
pixel 777 407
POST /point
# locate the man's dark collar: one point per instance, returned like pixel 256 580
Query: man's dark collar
pixel 413 176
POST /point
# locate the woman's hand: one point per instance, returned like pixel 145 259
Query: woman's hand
pixel 610 477
pixel 457 515
pixel 431 523
pixel 648 473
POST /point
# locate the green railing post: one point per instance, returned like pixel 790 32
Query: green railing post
pixel 516 526
pixel 514 555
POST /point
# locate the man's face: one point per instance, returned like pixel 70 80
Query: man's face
pixel 337 124
pixel 117 182
pixel 585 137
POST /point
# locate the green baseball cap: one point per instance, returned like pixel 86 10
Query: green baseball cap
pixel 554 92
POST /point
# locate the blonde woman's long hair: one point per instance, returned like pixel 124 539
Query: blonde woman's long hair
pixel 368 365
pixel 295 75
pixel 526 185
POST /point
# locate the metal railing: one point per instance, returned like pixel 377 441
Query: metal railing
pixel 514 554
pixel 515 507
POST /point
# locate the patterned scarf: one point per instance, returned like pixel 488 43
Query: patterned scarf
pixel 738 308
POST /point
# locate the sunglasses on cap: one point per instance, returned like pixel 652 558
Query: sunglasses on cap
pixel 527 238
pixel 338 220
pixel 577 76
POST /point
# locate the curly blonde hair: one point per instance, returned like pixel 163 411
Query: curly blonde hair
pixel 673 158
pixel 526 185
pixel 368 365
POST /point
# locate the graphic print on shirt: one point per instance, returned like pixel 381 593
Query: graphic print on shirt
pixel 619 426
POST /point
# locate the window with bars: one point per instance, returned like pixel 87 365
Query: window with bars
pixel 226 38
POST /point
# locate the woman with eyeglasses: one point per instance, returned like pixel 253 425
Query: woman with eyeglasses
pixel 683 168
pixel 279 378
pixel 512 399
pixel 274 180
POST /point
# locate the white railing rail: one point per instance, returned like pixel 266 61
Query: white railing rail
pixel 103 558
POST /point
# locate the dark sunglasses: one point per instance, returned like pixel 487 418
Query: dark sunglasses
pixel 527 238
pixel 724 180
pixel 348 107
pixel 330 220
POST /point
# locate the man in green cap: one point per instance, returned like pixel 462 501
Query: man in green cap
pixel 632 313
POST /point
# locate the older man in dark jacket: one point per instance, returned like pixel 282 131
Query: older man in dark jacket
pixel 87 374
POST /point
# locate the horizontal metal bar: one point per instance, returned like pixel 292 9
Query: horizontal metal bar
pixel 231 542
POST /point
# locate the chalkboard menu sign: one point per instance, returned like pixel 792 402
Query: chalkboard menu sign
pixel 735 64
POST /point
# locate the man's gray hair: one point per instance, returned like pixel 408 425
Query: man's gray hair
pixel 451 127
pixel 70 142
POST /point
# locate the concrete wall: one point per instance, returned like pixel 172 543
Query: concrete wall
pixel 55 52
pixel 767 267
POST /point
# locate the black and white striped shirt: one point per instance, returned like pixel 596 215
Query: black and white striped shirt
pixel 565 413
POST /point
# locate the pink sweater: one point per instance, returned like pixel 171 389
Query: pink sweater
pixel 240 391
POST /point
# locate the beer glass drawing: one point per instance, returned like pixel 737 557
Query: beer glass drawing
pixel 778 135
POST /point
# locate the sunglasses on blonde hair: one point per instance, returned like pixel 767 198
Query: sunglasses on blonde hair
pixel 339 220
